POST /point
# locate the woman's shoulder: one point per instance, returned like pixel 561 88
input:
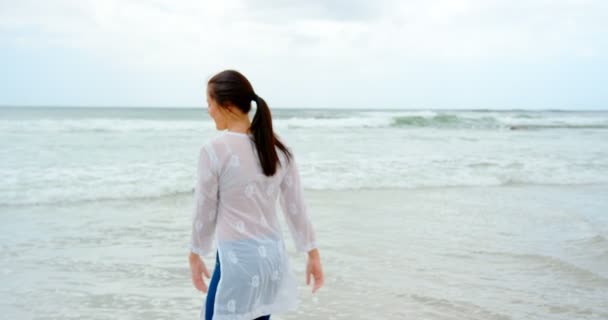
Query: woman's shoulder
pixel 211 147
pixel 214 141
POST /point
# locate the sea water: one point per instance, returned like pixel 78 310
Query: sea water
pixel 432 214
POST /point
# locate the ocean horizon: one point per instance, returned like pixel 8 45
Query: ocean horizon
pixel 479 109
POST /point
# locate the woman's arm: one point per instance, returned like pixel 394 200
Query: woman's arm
pixel 299 223
pixel 204 217
pixel 295 210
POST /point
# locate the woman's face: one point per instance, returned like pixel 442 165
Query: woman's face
pixel 216 112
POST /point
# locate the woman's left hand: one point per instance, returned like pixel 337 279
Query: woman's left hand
pixel 198 269
pixel 314 270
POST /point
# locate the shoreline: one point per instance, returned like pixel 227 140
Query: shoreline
pixel 482 252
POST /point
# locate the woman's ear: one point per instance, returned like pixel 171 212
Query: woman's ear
pixel 231 108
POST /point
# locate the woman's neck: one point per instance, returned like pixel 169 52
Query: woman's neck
pixel 239 127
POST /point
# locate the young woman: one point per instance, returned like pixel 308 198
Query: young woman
pixel 240 175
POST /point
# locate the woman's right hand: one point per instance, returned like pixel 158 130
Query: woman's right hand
pixel 314 269
pixel 198 269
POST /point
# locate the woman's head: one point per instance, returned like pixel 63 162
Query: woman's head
pixel 229 97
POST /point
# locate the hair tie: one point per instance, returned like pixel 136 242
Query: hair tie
pixel 254 97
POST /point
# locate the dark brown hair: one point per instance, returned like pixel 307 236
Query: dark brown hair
pixel 230 87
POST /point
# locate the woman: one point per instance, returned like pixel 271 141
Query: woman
pixel 240 175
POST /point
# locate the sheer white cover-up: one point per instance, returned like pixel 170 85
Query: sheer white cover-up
pixel 235 209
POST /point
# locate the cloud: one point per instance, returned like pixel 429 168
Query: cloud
pixel 189 30
pixel 345 39
pixel 283 11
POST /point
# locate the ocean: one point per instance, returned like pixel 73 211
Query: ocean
pixel 431 214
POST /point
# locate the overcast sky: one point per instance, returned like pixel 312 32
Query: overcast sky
pixel 535 54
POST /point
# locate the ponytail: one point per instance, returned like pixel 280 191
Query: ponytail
pixel 265 140
pixel 230 87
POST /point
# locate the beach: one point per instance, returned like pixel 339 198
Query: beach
pixel 418 214
pixel 440 253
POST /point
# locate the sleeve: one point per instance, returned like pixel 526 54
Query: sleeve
pixel 295 210
pixel 206 195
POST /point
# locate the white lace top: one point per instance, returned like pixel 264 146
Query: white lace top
pixel 235 209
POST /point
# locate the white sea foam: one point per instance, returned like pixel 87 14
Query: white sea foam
pixel 63 158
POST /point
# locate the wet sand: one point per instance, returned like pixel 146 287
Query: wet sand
pixel 510 252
